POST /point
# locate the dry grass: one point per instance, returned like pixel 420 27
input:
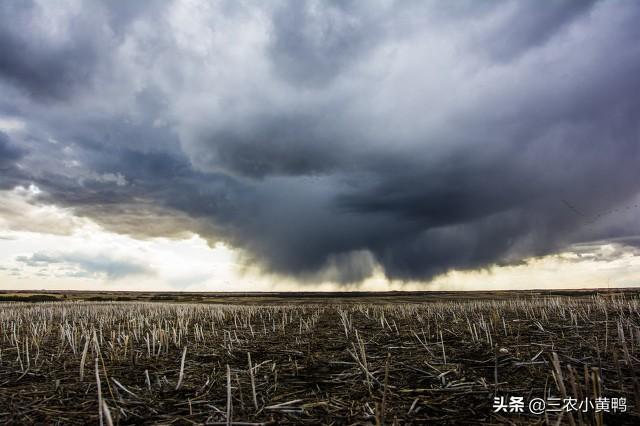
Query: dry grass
pixel 356 363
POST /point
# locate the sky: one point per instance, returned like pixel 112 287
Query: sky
pixel 319 145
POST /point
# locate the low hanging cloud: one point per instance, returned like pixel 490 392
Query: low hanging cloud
pixel 325 140
pixel 84 265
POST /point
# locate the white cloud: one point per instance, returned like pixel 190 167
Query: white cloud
pixel 11 124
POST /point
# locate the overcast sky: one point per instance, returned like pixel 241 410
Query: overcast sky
pixel 232 145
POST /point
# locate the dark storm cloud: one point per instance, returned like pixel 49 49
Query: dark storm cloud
pixel 326 139
pixel 10 154
pixel 49 62
pixel 296 144
pixel 38 63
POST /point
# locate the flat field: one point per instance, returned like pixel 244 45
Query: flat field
pixel 436 358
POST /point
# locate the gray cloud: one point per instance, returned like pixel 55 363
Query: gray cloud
pixel 9 153
pixel 327 139
pixel 38 62
pixel 526 26
pixel 597 253
pixel 313 42
pixel 54 51
pixel 84 265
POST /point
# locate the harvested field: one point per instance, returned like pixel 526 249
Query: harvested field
pixel 439 362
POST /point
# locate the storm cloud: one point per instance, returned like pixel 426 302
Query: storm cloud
pixel 325 140
pixel 9 153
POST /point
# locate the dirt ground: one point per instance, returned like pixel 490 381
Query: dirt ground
pixel 359 361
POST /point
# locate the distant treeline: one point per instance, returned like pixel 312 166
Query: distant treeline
pixel 30 298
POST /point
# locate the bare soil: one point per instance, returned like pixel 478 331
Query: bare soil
pixel 363 361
